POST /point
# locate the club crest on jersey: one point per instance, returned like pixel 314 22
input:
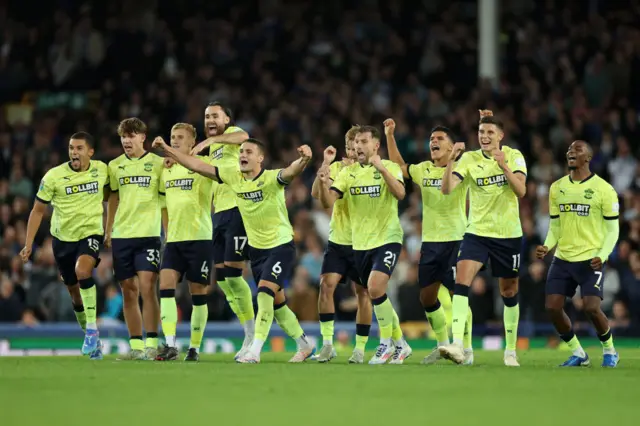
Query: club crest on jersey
pixel 94 173
pixel 588 193
pixel 218 153
pixel 499 180
pixel 259 184
pixel 372 191
pixel 148 167
pixel 255 196
pixel 579 209
pixel 183 184
pixel 431 183
pixel 376 175
pixel 141 181
pixel 89 187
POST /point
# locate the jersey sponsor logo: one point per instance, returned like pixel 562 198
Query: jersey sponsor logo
pixel 579 209
pixel 499 180
pixel 141 181
pixel 255 196
pixel 218 153
pixel 89 187
pixel 432 183
pixel 372 191
pixel 183 184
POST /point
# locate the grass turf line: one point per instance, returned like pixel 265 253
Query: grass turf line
pixel 73 391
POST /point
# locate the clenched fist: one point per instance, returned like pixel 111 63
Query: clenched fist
pixel 305 152
pixel 159 143
pixel 389 126
pixel 541 251
pixel 329 155
pixel 458 148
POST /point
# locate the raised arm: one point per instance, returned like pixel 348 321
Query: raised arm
pixel 392 147
pixel 395 186
pixel 329 156
pixel 451 180
pixel 35 219
pixel 326 195
pixel 295 168
pixel 233 138
pixel 191 163
pixel 517 180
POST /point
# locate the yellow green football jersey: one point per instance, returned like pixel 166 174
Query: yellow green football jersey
pixel 582 209
pixel 224 155
pixel 494 207
pixel 373 210
pixel 444 217
pixel 188 198
pixel 137 182
pixel 340 226
pixel 262 205
pixel 76 198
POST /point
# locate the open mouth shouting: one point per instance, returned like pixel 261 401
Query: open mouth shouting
pixel 212 129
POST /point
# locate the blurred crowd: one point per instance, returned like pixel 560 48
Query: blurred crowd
pixel 303 72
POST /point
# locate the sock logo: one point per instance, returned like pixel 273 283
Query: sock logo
pixel 196 328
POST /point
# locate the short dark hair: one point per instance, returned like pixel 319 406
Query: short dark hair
pixel 369 129
pixel 85 137
pixel 261 146
pixel 224 108
pixel 445 130
pixel 132 126
pixel 492 120
pixel 587 145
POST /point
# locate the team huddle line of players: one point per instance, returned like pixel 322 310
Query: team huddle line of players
pixel 146 193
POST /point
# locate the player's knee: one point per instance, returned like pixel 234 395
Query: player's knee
pixel 195 288
pixel 429 296
pixel 83 272
pixel 509 290
pixel 327 286
pixel 592 308
pixel 376 292
pixel 129 289
pixel 554 305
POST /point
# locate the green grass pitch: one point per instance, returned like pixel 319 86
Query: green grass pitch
pixel 70 391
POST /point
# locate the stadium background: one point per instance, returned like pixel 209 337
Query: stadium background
pixel 303 72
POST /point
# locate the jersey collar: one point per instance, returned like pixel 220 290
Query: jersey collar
pixel 139 158
pixel 485 155
pixel 257 176
pixel 582 181
pixel 74 171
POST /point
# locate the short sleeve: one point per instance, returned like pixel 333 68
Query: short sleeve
pixel 227 174
pixel 395 170
pixel 554 212
pixel 113 180
pixel 461 168
pixel 46 188
pixel 415 173
pixel 518 164
pixel 610 204
pixel 233 129
pixel 278 175
pixel 340 182
pixel 334 170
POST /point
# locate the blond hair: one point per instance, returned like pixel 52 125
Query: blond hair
pixel 351 133
pixel 186 126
